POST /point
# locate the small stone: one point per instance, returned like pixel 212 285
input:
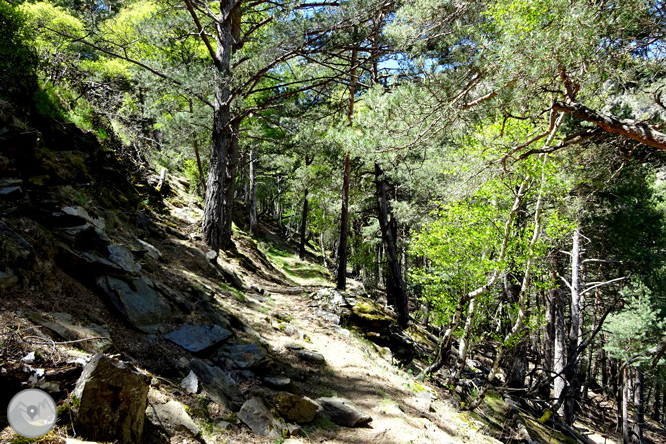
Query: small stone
pixel 211 255
pixel 292 430
pixel 282 384
pixel 311 356
pixel 219 387
pixel 223 425
pixel 243 357
pixel 151 251
pixel 190 383
pixel 293 346
pixel 29 358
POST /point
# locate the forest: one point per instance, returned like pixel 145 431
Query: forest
pixel 492 170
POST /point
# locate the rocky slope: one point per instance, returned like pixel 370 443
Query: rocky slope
pixel 112 304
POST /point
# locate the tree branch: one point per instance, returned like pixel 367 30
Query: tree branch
pixel 632 129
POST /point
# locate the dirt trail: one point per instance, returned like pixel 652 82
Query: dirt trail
pixel 356 370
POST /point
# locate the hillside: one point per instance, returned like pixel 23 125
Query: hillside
pixel 95 260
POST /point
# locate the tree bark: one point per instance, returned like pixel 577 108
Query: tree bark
pixel 252 194
pixel 639 415
pixel 624 414
pixel 344 228
pixel 656 407
pixel 395 285
pixel 572 372
pixel 629 128
pixel 217 208
pixel 304 220
pixel 549 328
pixel 559 352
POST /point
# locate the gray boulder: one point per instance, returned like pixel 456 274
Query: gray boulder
pixel 260 420
pixel 112 401
pixel 217 385
pixel 196 338
pixel 139 303
pixel 172 418
pixel 342 412
pixel 122 257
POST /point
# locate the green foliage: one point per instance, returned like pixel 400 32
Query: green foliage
pixel 17 58
pixel 637 327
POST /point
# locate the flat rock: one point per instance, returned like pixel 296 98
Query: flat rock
pixel 172 418
pixel 217 385
pixel 310 356
pixel 282 384
pixel 260 420
pixel 83 214
pixel 9 192
pixel 295 408
pixel 88 237
pixel 121 256
pixel 196 338
pixel 112 401
pixel 150 250
pixel 244 357
pixel 82 332
pixel 139 303
pixel 342 411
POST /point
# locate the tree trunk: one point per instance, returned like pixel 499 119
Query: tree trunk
pixel 304 220
pixel 656 407
pixel 516 357
pixel 572 373
pixel 254 222
pixel 639 416
pixel 559 353
pixel 395 285
pixel 549 329
pixel 624 414
pixel 344 228
pixel 323 248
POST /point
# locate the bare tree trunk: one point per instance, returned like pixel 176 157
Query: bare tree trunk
pixel 254 221
pixel 549 329
pixel 656 407
pixel 626 433
pixel 395 285
pixel 304 220
pixel 572 372
pixel 323 248
pixel 559 353
pixel 344 228
pixel 639 415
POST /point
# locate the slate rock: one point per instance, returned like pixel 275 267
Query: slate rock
pixel 190 383
pixel 145 223
pixel 10 182
pixel 282 384
pixel 10 192
pixel 8 280
pixel 112 401
pixel 172 418
pixel 81 332
pixel 333 318
pixel 310 356
pixel 260 420
pixel 244 357
pixel 196 338
pixel 83 214
pixel 87 238
pixel 150 250
pixel 138 303
pixel 342 411
pixel 122 257
pixel 19 246
pixel 176 298
pixel 217 385
pixel 295 408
